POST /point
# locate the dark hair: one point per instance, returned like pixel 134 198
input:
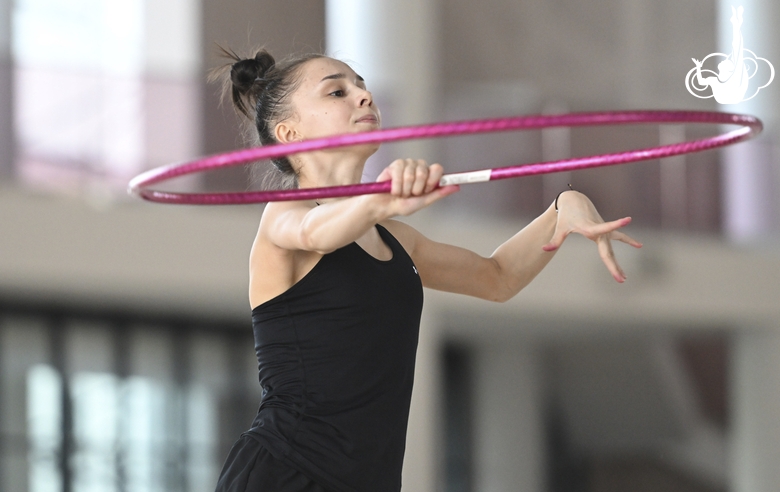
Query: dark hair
pixel 260 89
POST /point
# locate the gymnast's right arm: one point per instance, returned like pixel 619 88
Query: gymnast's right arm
pixel 323 228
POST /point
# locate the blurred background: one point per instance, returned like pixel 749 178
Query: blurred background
pixel 126 351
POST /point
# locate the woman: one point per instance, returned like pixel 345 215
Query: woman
pixel 336 286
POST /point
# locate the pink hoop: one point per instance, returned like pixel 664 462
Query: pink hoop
pixel 751 126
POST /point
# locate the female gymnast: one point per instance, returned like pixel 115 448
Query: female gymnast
pixel 336 286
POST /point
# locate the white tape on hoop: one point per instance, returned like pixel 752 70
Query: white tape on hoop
pixel 465 178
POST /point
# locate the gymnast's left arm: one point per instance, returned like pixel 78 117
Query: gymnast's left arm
pixel 515 263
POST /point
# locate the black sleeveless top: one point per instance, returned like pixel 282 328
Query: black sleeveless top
pixel 336 357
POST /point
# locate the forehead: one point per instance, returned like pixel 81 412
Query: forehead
pixel 313 71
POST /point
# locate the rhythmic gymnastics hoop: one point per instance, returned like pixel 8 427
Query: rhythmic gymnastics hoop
pixel 751 126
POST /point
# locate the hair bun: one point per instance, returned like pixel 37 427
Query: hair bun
pixel 244 73
pixel 265 62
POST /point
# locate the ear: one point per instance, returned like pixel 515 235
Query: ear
pixel 285 132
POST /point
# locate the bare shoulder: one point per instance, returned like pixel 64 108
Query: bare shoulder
pixel 275 212
pixel 263 244
pixel 272 221
pixel 272 268
pixel 282 218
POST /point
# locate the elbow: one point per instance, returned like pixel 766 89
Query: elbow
pixel 305 237
pixel 502 297
pixel 498 294
pixel 504 291
pixel 500 290
pixel 308 241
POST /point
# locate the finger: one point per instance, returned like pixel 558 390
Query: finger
pixel 420 178
pixel 385 175
pixel 435 172
pixel 439 193
pixel 557 240
pixel 409 173
pixel 596 230
pixel 608 257
pixel 397 169
pixel 625 238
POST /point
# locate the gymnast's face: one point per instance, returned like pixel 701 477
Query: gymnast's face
pixel 331 99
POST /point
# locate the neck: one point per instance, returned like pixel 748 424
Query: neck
pixel 322 169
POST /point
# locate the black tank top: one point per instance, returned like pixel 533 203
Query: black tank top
pixel 336 357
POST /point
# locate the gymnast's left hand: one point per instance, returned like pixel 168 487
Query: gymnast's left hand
pixel 577 214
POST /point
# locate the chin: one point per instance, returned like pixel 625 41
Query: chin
pixel 367 149
pixel 368 127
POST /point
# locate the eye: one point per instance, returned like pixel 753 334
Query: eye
pixel 338 93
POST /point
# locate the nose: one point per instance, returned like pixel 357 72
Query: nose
pixel 365 98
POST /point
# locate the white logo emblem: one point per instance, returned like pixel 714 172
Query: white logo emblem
pixel 415 269
pixel 730 85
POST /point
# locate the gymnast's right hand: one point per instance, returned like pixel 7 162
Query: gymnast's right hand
pixel 415 185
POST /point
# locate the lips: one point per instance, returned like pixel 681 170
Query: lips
pixel 369 118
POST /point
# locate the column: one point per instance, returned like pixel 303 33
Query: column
pixel 755 427
pixel 508 426
pixel 173 79
pixel 7 139
pixel 751 180
pixel 393 45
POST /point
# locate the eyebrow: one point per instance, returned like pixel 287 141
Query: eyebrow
pixel 339 76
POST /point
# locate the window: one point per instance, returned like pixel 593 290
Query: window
pixel 79 90
pixel 109 403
